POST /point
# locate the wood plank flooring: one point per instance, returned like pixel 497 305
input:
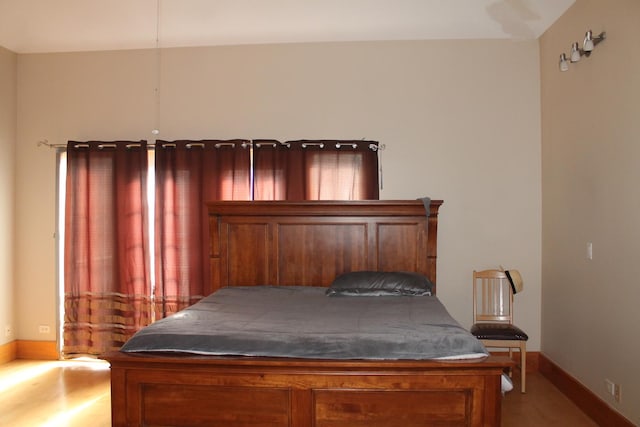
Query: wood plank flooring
pixel 55 394
pixel 76 394
pixel 542 405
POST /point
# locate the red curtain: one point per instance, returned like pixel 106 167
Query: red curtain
pixel 315 170
pixel 108 294
pixel 189 174
pixel 106 270
pixel 271 168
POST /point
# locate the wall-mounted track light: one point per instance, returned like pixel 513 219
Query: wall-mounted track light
pixel 589 43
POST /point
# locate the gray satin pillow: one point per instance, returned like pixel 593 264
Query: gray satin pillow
pixel 380 283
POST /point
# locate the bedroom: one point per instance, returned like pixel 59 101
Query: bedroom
pixel 513 147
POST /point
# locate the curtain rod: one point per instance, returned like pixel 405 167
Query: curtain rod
pixel 373 147
pixel 51 145
pixel 83 145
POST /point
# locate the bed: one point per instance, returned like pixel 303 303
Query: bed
pixel 298 247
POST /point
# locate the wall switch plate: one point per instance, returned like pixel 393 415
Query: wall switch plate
pixel 610 386
pixel 44 329
pixel 613 389
pixel 589 250
pixel 8 331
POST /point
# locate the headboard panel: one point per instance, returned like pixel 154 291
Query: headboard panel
pixel 310 243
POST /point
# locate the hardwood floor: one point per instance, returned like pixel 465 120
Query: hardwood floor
pixel 54 394
pixel 76 394
pixel 542 405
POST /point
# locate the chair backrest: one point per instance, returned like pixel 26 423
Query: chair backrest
pixel 492 297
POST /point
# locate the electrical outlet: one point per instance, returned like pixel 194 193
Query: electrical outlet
pixel 44 329
pixel 8 331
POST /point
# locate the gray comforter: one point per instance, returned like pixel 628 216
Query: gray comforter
pixel 301 321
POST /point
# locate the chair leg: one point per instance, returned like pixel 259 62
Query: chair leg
pixel 523 366
pixel 511 358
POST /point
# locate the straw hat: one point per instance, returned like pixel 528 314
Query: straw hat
pixel 516 280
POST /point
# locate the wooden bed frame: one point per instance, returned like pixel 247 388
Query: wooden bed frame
pixel 309 243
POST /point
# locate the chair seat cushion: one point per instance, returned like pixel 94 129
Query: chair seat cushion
pixel 498 331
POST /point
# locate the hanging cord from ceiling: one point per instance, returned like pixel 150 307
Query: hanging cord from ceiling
pixel 158 58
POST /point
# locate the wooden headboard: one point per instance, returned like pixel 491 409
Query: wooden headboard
pixel 310 243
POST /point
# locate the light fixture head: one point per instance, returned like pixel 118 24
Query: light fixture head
pixel 575 52
pixel 564 64
pixel 588 42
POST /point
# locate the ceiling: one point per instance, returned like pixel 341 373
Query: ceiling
pixel 29 26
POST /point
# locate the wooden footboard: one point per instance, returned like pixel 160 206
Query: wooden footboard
pixel 234 392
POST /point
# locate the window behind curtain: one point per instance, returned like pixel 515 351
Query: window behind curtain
pixel 315 170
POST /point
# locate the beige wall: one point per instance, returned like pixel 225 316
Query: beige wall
pixel 8 317
pixel 591 171
pixel 460 120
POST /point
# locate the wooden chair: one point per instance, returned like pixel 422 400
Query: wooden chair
pixel 493 316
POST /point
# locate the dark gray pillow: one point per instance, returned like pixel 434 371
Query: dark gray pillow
pixel 380 283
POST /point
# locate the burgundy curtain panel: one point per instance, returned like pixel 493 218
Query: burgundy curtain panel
pixel 188 174
pixel 316 170
pixel 106 269
pixel 271 168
